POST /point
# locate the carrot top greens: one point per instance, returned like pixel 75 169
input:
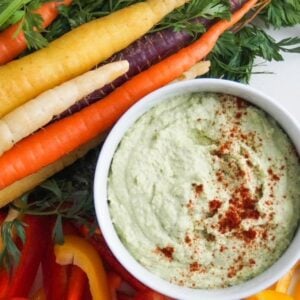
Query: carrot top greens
pixel 234 55
pixel 13 11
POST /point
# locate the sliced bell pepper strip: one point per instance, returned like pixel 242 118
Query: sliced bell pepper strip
pixel 87 294
pixel 296 293
pixel 55 276
pixel 39 295
pixel 4 283
pixel 271 295
pixel 284 283
pixel 81 253
pixel 4 276
pixel 114 282
pixel 122 296
pixel 38 236
pixel 77 284
pixel 78 281
pixel 151 295
pixel 99 243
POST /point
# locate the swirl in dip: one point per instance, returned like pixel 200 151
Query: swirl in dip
pixel 204 190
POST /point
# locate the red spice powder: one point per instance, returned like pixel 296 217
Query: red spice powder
pixel 238 115
pixel 249 163
pixel 231 272
pixel 167 252
pixel 223 149
pixel 214 205
pixel 190 204
pixel 198 188
pixel 274 176
pixel 241 104
pixel 249 235
pixel 188 240
pixel 242 206
pixel 231 221
pixel 195 266
pixel 223 248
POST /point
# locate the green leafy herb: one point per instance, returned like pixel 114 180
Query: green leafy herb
pixel 9 8
pixel 10 254
pixel 32 26
pixel 184 18
pixel 280 13
pixel 234 55
pixel 30 22
pixel 67 196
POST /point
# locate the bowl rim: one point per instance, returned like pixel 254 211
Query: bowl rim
pixel 243 290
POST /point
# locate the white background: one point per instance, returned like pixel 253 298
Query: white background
pixel 284 84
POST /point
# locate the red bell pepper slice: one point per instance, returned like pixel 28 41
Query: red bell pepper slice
pixel 150 295
pixel 63 282
pixel 4 276
pixel 87 294
pixel 78 283
pixel 4 283
pixel 55 276
pixel 114 282
pixel 38 237
pixel 121 296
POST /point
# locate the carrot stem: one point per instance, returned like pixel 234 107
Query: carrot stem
pixel 62 137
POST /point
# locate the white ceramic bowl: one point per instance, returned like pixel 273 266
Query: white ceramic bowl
pixel 267 278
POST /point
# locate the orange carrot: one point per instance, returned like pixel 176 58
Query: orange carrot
pixel 58 139
pixel 11 46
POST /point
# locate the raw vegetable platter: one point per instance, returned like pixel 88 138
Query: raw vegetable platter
pixel 51 133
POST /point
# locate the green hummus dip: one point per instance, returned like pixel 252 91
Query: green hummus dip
pixel 204 190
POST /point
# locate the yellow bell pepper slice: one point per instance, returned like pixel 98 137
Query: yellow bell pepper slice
pixel 271 295
pixel 297 291
pixel 81 253
pixel 284 283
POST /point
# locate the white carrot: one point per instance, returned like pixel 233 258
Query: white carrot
pixel 198 69
pixel 38 112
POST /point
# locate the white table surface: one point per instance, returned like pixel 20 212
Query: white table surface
pixel 284 84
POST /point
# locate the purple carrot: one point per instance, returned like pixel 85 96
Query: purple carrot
pixel 148 50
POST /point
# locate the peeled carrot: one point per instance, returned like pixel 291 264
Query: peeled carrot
pixel 26 184
pixel 12 45
pixel 39 111
pixel 58 139
pixel 78 51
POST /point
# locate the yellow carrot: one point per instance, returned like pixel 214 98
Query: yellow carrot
pixel 26 184
pixel 39 111
pixel 78 51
